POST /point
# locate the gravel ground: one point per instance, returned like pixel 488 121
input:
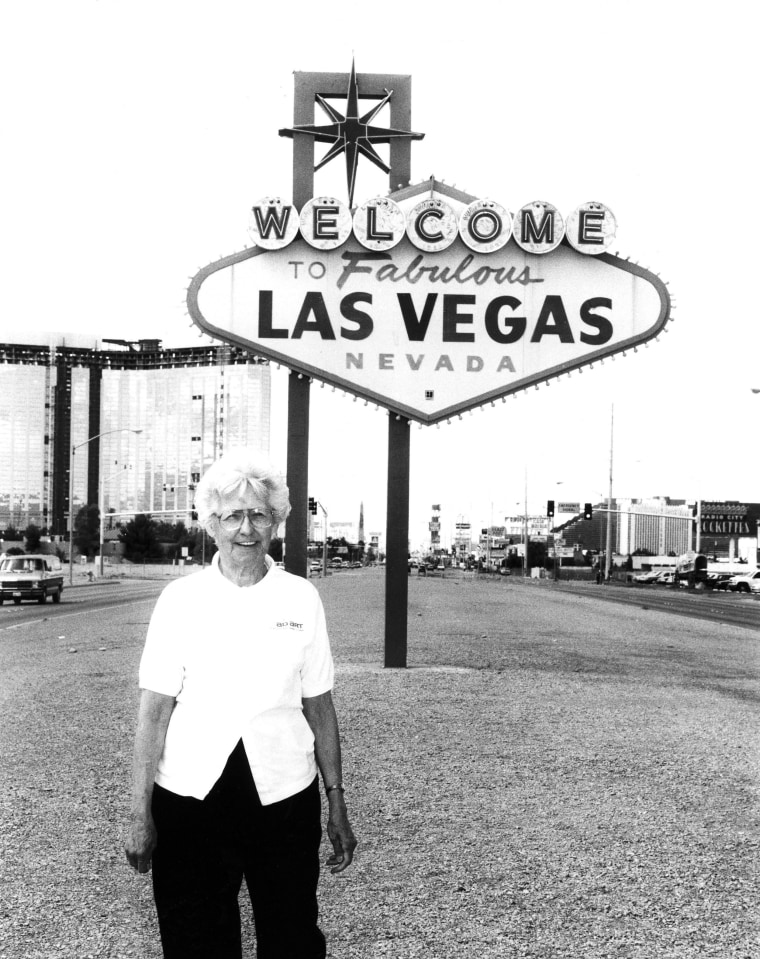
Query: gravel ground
pixel 552 777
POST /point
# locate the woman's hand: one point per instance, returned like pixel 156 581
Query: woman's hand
pixel 341 834
pixel 141 841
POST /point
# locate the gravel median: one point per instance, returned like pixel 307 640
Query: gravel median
pixel 551 777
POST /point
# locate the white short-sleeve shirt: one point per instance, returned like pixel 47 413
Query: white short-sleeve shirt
pixel 238 660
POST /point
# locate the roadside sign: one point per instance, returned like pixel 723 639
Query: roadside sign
pixel 428 334
pixel 568 507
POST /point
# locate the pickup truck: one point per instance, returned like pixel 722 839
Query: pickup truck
pixel 32 576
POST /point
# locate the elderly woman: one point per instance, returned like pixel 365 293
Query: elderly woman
pixel 235 715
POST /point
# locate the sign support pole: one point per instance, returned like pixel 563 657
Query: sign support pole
pixel 397 542
pixel 299 395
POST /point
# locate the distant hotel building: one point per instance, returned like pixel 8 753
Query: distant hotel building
pixel 662 526
pixel 659 525
pixel 190 404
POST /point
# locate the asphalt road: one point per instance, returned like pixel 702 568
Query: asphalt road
pixel 80 600
pixel 717 607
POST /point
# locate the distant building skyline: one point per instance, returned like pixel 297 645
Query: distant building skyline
pixel 659 525
pixel 189 404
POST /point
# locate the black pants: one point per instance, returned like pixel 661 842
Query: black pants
pixel 206 847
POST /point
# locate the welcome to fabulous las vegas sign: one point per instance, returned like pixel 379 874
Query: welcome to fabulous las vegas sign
pixel 428 301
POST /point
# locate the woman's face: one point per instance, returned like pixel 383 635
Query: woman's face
pixel 242 550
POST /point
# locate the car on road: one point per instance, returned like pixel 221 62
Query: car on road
pixel 32 576
pixel 356 564
pixel 746 583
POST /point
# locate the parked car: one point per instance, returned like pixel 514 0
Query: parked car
pixel 746 583
pixel 665 578
pixel 651 577
pixel 315 566
pixel 356 564
pixel 718 580
pixel 32 576
pixel 336 563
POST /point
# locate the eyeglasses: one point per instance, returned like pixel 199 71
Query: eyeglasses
pixel 234 520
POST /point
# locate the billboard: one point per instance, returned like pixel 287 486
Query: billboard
pixel 730 518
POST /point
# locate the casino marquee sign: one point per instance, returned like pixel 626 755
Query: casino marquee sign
pixel 429 302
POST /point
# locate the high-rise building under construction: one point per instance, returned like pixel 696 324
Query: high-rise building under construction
pixel 143 423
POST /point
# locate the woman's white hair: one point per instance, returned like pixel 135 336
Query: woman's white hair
pixel 231 475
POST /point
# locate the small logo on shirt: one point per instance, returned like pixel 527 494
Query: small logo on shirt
pixel 289 625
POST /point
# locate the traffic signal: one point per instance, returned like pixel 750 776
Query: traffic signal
pixel 550 508
pixel 588 511
pixel 312 505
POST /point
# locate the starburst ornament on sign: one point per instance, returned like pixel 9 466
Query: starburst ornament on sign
pixel 351 134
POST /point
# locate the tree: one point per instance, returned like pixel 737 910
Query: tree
pixel 514 560
pixel 32 538
pixel 275 549
pixel 171 532
pixel 536 553
pixel 87 530
pixel 175 537
pixel 140 539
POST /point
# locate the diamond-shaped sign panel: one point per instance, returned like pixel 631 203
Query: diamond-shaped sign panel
pixel 428 334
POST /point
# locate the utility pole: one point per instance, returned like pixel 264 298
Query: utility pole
pixel 525 528
pixel 324 538
pixel 608 548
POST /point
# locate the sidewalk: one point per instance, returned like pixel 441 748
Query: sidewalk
pixel 85 574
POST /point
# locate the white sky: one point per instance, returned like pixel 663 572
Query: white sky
pixel 137 134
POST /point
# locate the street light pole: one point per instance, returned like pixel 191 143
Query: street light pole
pixel 71 516
pixel 123 429
pixel 101 513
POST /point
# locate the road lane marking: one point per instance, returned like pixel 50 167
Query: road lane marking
pixel 82 612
